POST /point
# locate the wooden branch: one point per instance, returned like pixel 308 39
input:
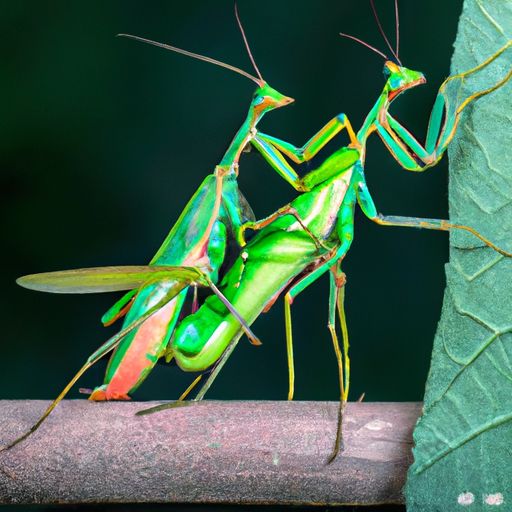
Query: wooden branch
pixel 210 452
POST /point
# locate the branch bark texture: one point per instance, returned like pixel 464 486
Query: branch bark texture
pixel 210 452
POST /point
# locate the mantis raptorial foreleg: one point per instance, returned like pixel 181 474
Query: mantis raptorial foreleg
pixel 407 150
pixel 316 143
pixel 272 149
pixel 278 163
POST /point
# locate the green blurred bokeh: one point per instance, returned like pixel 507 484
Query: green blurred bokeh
pixel 104 140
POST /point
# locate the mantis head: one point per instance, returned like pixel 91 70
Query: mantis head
pixel 400 79
pixel 266 98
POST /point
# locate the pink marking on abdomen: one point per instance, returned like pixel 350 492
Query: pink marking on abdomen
pixel 146 342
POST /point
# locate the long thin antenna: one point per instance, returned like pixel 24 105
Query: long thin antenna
pixel 364 44
pixel 397 26
pixel 194 55
pixel 247 43
pixel 381 30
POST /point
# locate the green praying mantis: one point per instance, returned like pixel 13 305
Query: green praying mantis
pixel 212 217
pixel 294 246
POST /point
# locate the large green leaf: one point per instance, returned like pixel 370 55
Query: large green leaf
pixel 463 442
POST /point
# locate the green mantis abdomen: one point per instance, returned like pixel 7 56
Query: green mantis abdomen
pixel 270 262
pixel 273 262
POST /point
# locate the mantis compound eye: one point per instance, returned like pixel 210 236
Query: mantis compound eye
pixel 395 82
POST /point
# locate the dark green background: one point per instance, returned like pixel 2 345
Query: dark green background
pixel 103 141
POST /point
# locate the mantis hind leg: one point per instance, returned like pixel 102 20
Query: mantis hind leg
pixel 109 345
pixel 290 295
pixel 436 224
pixel 336 303
pixel 204 388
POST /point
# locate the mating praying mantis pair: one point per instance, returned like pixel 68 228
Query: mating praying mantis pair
pixel 291 248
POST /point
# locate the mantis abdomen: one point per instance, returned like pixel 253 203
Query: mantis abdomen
pixel 277 255
pixel 202 337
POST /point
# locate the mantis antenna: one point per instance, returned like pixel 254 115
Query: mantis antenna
pixel 195 56
pixel 397 27
pixel 381 30
pixel 247 43
pixel 364 43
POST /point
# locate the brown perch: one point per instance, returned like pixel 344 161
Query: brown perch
pixel 211 452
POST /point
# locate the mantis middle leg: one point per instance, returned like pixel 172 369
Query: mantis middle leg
pixel 345 230
pixel 367 204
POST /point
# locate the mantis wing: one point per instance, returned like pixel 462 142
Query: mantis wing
pixel 111 279
pixel 107 279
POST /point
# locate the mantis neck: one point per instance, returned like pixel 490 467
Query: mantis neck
pixel 380 108
pixel 243 136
